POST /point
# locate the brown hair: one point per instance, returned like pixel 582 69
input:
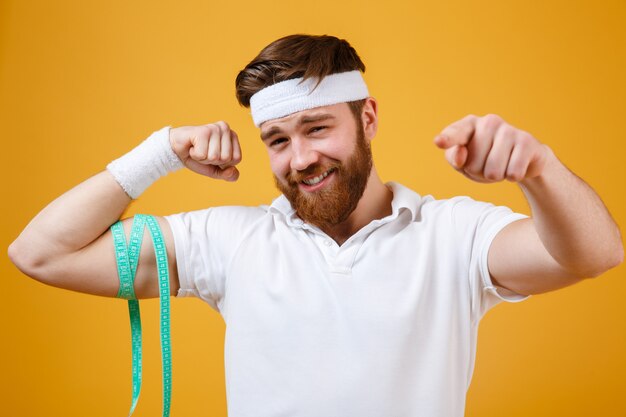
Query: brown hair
pixel 295 56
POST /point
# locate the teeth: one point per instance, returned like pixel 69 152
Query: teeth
pixel 315 180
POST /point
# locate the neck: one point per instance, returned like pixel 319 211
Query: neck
pixel 374 204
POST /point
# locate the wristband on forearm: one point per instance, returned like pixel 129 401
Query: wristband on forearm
pixel 150 160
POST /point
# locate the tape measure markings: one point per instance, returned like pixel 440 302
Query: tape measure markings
pixel 127 261
pixel 164 281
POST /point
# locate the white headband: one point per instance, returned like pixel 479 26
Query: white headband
pixel 286 97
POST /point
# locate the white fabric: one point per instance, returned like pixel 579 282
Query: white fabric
pixel 147 162
pixel 290 96
pixel 383 325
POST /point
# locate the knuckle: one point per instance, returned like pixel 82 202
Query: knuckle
pixel 507 130
pixel 200 137
pixel 514 176
pixel 492 174
pixel 205 130
pixel 491 120
pixel 492 116
pixel 211 129
pixel 222 125
pixel 525 139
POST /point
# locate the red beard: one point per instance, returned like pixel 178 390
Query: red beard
pixel 334 203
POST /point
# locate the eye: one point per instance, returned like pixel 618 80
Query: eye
pixel 317 129
pixel 277 141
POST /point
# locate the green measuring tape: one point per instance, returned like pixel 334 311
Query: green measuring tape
pixel 127 259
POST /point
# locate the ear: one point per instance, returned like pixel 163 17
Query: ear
pixel 369 117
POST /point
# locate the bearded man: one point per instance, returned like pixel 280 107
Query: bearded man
pixel 346 296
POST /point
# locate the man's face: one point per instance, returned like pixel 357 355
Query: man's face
pixel 321 162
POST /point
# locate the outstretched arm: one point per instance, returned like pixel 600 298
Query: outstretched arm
pixel 69 243
pixel 570 236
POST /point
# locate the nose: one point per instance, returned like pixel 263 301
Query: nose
pixel 302 154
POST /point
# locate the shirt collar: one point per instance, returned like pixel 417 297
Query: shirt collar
pixel 403 199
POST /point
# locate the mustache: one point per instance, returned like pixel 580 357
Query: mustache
pixel 295 177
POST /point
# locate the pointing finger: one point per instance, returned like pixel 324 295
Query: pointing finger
pixel 457 133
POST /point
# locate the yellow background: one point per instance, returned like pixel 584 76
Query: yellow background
pixel 81 83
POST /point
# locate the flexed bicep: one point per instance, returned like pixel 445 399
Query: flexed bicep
pixel 93 269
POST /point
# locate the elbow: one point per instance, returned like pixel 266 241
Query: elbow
pixel 618 257
pixel 609 261
pixel 24 260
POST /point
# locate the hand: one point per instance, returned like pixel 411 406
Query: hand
pixel 487 149
pixel 212 150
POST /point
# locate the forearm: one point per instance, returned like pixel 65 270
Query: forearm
pixel 572 221
pixel 71 221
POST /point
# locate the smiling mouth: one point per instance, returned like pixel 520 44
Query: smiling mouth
pixel 318 179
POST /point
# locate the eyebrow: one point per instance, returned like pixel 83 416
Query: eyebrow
pixel 303 120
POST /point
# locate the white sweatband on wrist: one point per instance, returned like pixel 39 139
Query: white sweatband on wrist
pixel 150 160
pixel 290 96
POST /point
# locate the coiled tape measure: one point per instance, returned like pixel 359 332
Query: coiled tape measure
pixel 127 259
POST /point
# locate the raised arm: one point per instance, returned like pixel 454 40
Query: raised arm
pixel 69 243
pixel 571 234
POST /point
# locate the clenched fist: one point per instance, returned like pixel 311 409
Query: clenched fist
pixel 487 149
pixel 212 150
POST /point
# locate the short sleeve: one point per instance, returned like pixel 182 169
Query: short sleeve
pixel 205 243
pixel 477 224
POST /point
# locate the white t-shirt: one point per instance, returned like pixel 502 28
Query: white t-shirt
pixel 383 325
